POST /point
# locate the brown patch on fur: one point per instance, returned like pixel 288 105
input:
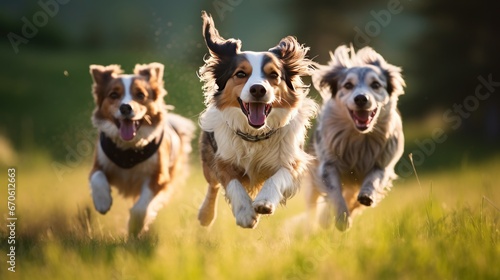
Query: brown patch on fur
pixel 234 86
pixel 101 76
pixel 285 97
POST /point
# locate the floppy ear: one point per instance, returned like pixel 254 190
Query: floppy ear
pixel 217 45
pixel 102 74
pixel 395 81
pixel 293 56
pixel 152 71
pixel 217 68
pixel 326 77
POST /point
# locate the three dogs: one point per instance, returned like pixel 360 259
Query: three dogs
pixel 253 132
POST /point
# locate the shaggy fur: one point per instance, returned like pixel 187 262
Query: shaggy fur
pixel 254 125
pixel 359 137
pixel 131 114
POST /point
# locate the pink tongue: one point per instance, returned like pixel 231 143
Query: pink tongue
pixel 362 115
pixel 127 130
pixel 256 113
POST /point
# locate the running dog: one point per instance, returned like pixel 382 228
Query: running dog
pixel 254 126
pixel 142 149
pixel 359 137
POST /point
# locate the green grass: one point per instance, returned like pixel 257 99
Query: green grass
pixel 447 228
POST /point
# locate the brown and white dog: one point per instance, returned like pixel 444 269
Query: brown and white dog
pixel 254 125
pixel 359 137
pixel 142 149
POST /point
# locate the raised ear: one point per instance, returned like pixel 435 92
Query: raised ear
pixel 217 45
pixel 152 71
pixel 326 78
pixel 395 81
pixel 102 74
pixel 293 56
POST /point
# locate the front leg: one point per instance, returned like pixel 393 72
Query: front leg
pixel 374 187
pixel 241 205
pixel 331 180
pixel 101 191
pixel 279 187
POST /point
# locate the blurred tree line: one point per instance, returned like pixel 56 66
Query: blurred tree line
pixel 444 47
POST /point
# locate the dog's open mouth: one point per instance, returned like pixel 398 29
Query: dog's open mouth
pixel 363 118
pixel 256 112
pixel 128 128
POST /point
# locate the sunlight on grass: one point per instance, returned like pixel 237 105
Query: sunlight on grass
pixel 443 230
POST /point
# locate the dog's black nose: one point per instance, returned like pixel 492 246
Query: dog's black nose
pixel 125 109
pixel 360 100
pixel 257 91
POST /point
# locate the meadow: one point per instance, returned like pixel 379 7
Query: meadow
pixel 446 227
pixel 443 225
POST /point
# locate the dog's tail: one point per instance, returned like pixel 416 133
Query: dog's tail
pixel 185 128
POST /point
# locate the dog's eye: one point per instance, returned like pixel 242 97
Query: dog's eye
pixel 274 75
pixel 375 85
pixel 241 74
pixel 114 95
pixel 348 85
pixel 140 95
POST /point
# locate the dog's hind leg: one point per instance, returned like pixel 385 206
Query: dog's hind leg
pixel 101 192
pixel 331 180
pixel 141 211
pixel 207 212
pixel 312 195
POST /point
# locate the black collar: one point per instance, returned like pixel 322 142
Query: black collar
pixel 255 138
pixel 244 136
pixel 130 157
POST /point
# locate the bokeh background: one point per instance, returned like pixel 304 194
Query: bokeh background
pixel 441 224
pixel 443 47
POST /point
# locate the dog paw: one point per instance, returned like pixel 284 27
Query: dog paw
pixel 343 220
pixel 136 222
pixel 365 199
pixel 264 207
pixel 206 217
pixel 246 217
pixel 102 200
pixel 343 223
